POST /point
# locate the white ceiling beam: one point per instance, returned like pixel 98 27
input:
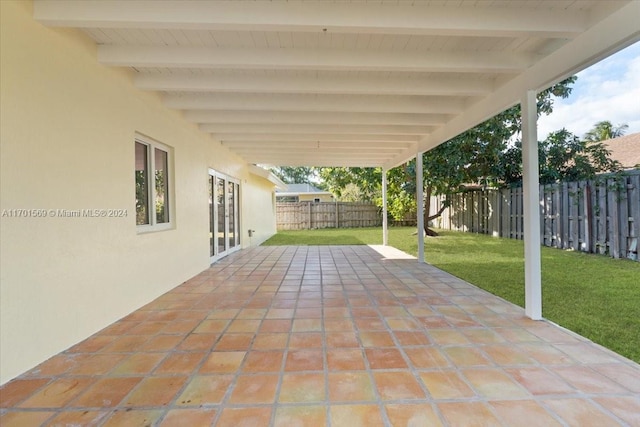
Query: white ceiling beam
pixel 314 59
pixel 317 128
pixel 297 145
pixel 335 103
pixel 305 117
pixel 313 152
pixel 315 17
pixel 615 32
pixel 328 137
pixel 350 85
pixel 325 159
pixel 353 152
pixel 363 163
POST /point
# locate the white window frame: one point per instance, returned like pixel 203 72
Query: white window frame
pixel 151 196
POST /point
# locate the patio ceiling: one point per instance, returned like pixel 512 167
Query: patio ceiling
pixel 362 83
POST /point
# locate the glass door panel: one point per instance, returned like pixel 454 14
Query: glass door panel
pixel 212 216
pixel 224 215
pixel 236 210
pixel 221 208
pixel 231 204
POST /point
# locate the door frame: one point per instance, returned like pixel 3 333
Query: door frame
pixel 213 211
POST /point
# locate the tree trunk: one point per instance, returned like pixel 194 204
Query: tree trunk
pixel 427 208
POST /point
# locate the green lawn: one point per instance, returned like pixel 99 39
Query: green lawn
pixel 595 296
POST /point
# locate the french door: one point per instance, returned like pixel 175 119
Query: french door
pixel 224 215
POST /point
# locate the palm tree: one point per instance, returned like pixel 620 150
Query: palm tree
pixel 605 130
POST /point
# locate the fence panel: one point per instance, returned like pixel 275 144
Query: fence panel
pixel 310 215
pixel 599 216
pixel 633 195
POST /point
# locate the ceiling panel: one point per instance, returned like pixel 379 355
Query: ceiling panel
pixel 371 82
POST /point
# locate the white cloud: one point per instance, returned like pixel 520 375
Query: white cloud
pixel 609 90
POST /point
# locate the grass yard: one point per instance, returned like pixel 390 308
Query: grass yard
pixel 595 296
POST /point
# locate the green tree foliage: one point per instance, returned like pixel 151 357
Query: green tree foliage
pixel 605 130
pixel 351 193
pixel 142 197
pixel 336 180
pixel 471 157
pixel 294 175
pixel 562 156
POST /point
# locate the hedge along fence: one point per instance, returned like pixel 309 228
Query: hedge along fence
pixel 310 215
pixel 598 216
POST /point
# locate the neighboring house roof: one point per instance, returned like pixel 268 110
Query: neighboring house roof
pixel 625 149
pixel 297 189
pixel 302 188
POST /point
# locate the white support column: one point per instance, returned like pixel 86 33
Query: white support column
pixel 420 205
pixel 531 189
pixel 385 226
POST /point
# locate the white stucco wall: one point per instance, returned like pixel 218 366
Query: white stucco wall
pixel 67 127
pixel 258 198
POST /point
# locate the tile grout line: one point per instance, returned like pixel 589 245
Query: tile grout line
pixel 285 355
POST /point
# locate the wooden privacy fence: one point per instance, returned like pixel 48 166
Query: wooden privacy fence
pixel 309 215
pixel 598 216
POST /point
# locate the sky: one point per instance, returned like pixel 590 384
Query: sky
pixel 608 90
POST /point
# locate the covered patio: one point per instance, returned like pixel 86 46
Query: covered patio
pixel 283 336
pixel 355 84
pixel 333 335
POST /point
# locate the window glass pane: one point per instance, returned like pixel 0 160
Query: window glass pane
pixel 142 184
pixel 162 186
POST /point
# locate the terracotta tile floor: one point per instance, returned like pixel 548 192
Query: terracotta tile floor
pixel 336 336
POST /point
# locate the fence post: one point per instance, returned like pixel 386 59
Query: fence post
pixel 634 226
pixel 623 216
pixel 557 237
pixel 564 216
pixel 587 215
pixel 575 206
pixel 602 219
pixel 613 218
